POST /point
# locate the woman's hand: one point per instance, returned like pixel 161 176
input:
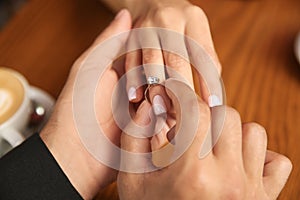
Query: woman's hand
pixel 175 15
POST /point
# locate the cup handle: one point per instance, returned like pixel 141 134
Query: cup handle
pixel 13 137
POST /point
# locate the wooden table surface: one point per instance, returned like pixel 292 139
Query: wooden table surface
pixel 254 40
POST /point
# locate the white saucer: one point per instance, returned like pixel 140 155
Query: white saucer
pixel 297 47
pixel 42 98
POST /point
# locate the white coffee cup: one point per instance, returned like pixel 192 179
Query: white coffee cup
pixel 15 107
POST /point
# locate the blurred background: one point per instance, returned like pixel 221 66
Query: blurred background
pixel 8 8
pixel 255 41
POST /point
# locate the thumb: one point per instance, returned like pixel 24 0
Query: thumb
pixel 135 153
pixel 192 114
pixel 140 125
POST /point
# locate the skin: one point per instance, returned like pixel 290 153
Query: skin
pixel 175 15
pixel 238 167
pixel 88 176
pixel 85 173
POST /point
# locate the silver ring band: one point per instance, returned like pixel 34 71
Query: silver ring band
pixel 151 80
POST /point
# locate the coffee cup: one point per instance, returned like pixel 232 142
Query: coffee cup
pixel 15 108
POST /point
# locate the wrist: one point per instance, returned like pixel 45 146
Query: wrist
pixel 138 9
pixel 84 172
pixel 166 3
pixel 135 7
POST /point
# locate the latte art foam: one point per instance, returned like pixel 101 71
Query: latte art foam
pixel 6 101
pixel 11 94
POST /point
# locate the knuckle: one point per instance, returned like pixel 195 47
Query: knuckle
pixel 284 163
pixel 202 181
pixel 175 61
pixel 255 129
pixel 151 56
pixel 166 13
pixel 196 11
pixel 132 60
pixel 235 193
pixel 235 188
pixel 233 115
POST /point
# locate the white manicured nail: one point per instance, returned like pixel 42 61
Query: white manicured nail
pixel 213 100
pixel 131 93
pixel 159 105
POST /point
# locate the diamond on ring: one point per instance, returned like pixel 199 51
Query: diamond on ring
pixel 152 80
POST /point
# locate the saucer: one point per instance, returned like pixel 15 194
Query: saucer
pixel 43 99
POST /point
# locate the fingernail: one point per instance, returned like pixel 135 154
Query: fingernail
pixel 120 14
pixel 213 100
pixel 131 93
pixel 159 105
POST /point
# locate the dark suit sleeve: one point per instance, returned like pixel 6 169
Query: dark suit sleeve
pixel 31 172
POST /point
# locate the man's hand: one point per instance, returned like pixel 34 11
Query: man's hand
pixel 86 174
pixel 238 167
